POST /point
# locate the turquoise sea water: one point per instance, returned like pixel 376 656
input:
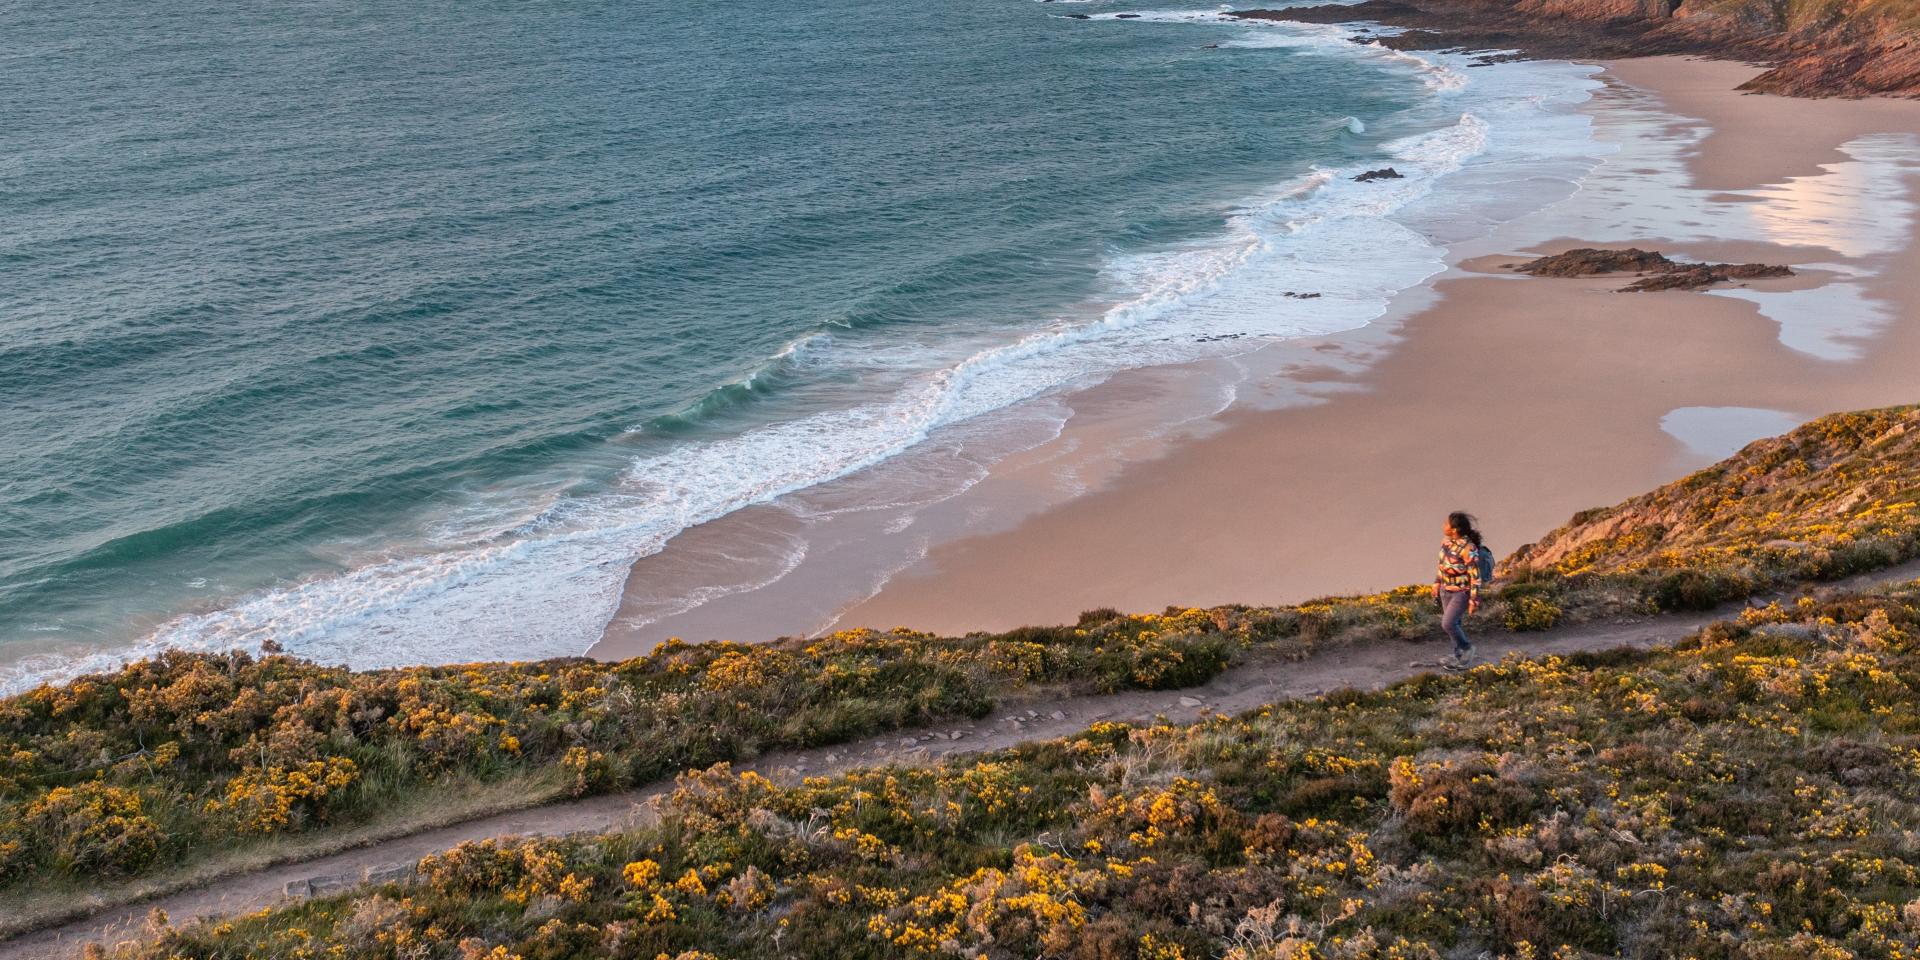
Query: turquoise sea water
pixel 392 332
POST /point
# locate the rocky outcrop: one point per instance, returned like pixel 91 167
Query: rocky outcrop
pixel 1815 47
pixel 1705 275
pixel 1592 262
pixel 1657 271
pixel 1384 173
pixel 1598 10
pixel 1864 70
pixel 1557 29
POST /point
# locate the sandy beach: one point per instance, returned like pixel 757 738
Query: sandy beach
pixel 1520 399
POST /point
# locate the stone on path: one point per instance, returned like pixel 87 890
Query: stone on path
pixel 389 873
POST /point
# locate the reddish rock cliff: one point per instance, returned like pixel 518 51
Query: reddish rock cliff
pixel 1843 48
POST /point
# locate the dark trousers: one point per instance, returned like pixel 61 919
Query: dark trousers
pixel 1453 609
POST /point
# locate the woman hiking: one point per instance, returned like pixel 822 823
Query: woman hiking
pixel 1457 587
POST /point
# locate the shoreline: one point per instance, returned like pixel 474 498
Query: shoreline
pixel 761 546
pixel 1109 495
pixel 791 566
pixel 1121 510
pixel 1559 405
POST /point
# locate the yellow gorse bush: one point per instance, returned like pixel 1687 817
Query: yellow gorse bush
pixel 1752 793
pixel 187 756
pixel 267 801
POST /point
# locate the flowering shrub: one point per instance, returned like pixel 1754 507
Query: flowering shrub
pixel 265 801
pixel 1453 796
pixel 1751 793
pixel 1837 496
pixel 1527 612
pixel 91 827
pixel 187 756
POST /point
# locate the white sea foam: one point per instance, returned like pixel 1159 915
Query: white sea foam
pixel 1441 74
pixel 547 584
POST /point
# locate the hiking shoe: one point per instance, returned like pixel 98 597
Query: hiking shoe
pixel 1461 661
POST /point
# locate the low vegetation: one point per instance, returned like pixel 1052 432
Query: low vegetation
pixel 1750 794
pixel 191 755
pixel 1838 496
pixel 172 767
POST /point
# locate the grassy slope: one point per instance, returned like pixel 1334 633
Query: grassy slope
pixel 1751 794
pixel 181 766
pixel 1834 497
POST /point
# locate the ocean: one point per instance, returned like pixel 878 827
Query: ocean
pixel 397 333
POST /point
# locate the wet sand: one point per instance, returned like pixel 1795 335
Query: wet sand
pixel 1522 400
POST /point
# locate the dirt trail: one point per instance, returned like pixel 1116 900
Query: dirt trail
pixel 1256 682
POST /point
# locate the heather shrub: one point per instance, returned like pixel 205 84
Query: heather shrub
pixel 1696 590
pixel 1452 796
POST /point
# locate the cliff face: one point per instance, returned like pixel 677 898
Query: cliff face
pixel 1888 67
pixel 1816 47
pixel 1597 10
pixel 1830 48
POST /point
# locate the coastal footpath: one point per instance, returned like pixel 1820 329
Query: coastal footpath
pixel 1743 791
pixel 1836 498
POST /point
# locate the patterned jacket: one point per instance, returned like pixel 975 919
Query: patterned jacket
pixel 1459 567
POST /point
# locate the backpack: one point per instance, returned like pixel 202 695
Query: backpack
pixel 1484 557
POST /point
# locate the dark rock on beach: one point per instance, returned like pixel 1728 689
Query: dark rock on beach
pixel 1126 16
pixel 1705 275
pixel 1591 262
pixel 1384 173
pixel 1656 270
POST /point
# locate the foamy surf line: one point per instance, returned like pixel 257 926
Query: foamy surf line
pixel 548 586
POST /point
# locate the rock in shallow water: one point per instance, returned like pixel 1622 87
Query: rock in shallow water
pixel 1658 271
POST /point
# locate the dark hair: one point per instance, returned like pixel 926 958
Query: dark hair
pixel 1465 525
